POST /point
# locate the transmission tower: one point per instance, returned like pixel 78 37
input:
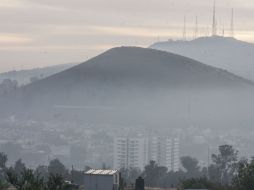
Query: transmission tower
pixel 214 26
pixel 184 28
pixel 196 29
pixel 232 23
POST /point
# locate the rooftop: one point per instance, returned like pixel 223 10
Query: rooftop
pixel 101 172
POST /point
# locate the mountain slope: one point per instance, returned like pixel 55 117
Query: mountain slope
pixel 138 85
pixel 223 52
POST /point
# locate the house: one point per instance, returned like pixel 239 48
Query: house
pixel 101 179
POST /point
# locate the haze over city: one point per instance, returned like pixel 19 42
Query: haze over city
pixel 124 95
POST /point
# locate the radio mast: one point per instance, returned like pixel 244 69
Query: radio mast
pixel 232 23
pixel 184 28
pixel 196 29
pixel 214 27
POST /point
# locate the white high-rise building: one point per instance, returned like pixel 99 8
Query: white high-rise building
pixel 172 154
pixel 176 155
pixel 120 153
pixel 169 154
pixel 154 146
pixel 130 152
pixel 137 152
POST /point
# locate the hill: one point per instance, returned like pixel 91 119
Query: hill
pixel 226 53
pixel 24 76
pixel 137 85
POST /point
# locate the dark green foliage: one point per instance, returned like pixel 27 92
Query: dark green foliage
pixel 130 175
pixel 225 163
pixel 57 168
pixel 198 183
pixel 19 167
pixel 244 180
pixel 3 159
pixel 3 185
pixel 30 181
pixel 204 183
pixel 154 174
pixel 42 171
pixel 215 173
pixel 40 179
pixel 55 182
pixel 191 166
pixel 27 180
pixel 12 177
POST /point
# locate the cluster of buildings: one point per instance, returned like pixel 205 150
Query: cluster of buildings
pixel 137 152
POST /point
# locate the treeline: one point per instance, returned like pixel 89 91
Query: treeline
pixel 226 172
pixel 55 176
pixel 9 85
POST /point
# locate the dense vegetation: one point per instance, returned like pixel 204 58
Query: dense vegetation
pixel 225 173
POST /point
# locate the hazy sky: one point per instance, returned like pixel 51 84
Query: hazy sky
pixel 36 33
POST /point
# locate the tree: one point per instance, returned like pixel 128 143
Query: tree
pixel 30 181
pixel 56 167
pixel 191 166
pixel 7 86
pixel 12 177
pixel 42 171
pixel 225 161
pixel 19 167
pixel 26 181
pixel 214 173
pixel 153 174
pixel 199 183
pixel 129 175
pixel 244 180
pixel 55 182
pixel 3 160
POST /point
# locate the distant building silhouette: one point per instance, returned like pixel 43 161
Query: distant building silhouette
pixel 137 152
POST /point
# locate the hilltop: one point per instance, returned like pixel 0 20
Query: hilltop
pixel 226 53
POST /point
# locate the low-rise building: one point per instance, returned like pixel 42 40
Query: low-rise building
pixel 101 179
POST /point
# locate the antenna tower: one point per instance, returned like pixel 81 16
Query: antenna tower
pixel 214 27
pixel 232 23
pixel 196 29
pixel 184 29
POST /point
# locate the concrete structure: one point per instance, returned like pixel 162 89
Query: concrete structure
pixel 101 179
pixel 130 152
pixel 167 152
pixel 136 152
